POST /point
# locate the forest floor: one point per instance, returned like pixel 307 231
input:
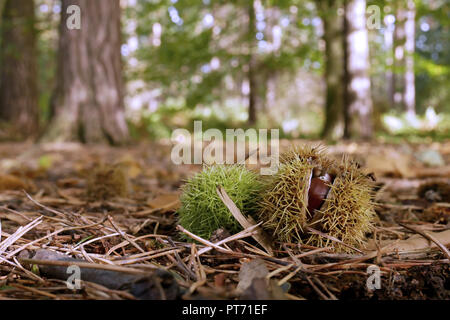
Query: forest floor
pixel 59 201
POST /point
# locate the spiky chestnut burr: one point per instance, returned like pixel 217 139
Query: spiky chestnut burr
pixel 203 212
pixel 311 190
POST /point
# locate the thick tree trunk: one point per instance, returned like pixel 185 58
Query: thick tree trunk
pixel 334 56
pixel 357 86
pixel 18 86
pixel 88 100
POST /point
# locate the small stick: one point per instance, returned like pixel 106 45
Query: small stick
pixel 33 290
pixel 181 263
pixel 83 265
pixel 316 289
pixel 237 236
pixel 45 207
pixel 201 240
pixel 324 287
pixel 428 237
pixel 124 235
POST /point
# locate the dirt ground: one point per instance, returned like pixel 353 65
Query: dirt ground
pixel 114 209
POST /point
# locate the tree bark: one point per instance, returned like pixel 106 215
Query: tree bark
pixel 334 56
pixel 251 65
pixel 399 55
pixel 357 81
pixel 389 43
pixel 409 94
pixel 18 86
pixel 87 104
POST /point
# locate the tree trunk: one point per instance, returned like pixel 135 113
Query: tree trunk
pixel 334 56
pixel 357 81
pixel 251 65
pixel 2 6
pixel 399 56
pixel 389 43
pixel 409 94
pixel 87 104
pixel 18 86
pixel 252 93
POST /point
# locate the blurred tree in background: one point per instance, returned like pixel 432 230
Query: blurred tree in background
pixel 88 99
pixel 344 68
pixel 18 72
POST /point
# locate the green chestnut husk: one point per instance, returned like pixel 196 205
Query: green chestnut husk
pixel 202 211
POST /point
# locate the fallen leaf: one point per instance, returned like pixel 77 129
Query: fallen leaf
pixel 254 269
pixel 165 202
pixel 10 182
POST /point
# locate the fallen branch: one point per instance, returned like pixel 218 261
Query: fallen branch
pixel 142 284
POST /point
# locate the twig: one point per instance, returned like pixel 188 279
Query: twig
pixel 124 235
pixel 243 234
pixel 316 289
pixel 49 295
pixel 201 240
pixel 181 264
pixel 45 207
pixel 428 237
pixel 83 265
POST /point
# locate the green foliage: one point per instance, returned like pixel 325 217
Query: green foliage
pixel 180 65
pixel 202 211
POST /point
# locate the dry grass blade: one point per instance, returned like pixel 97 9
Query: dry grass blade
pixel 201 240
pixel 62 215
pixel 18 234
pixel 260 236
pixel 243 234
pixel 37 291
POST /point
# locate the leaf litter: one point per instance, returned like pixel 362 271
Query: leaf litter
pixel 112 213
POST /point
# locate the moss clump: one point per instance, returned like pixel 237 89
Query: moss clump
pixel 108 181
pixel 312 190
pixel 202 212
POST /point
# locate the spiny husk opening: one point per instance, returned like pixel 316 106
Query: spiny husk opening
pixel 346 211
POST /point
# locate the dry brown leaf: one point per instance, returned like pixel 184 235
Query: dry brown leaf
pixel 14 217
pixel 412 244
pixel 169 201
pixel 390 163
pixel 10 182
pixel 253 269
